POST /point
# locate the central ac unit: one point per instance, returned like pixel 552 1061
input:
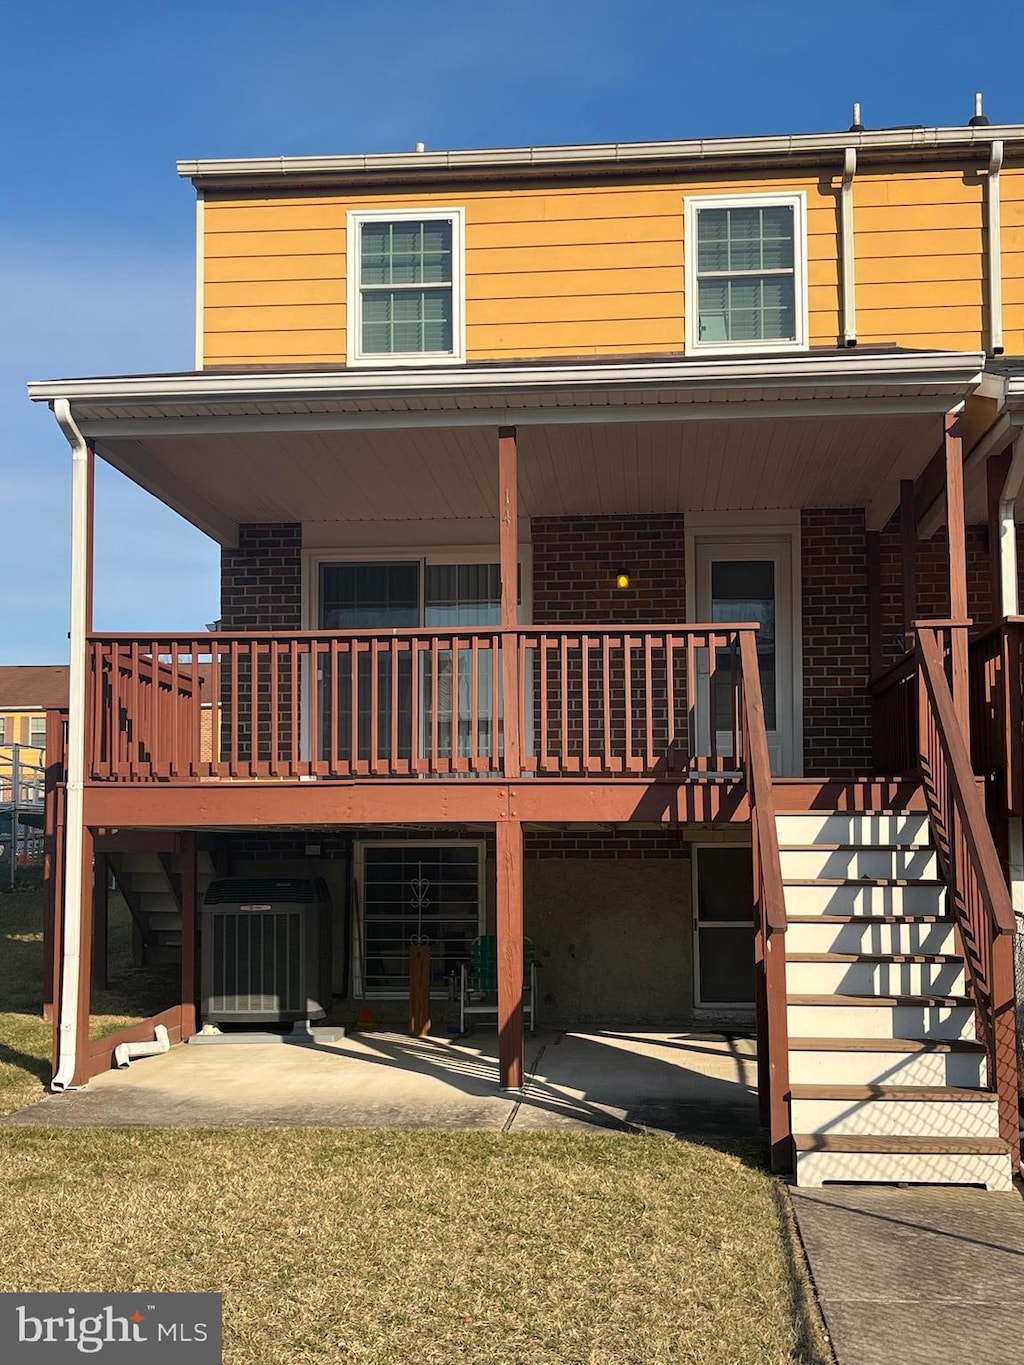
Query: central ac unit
pixel 265 950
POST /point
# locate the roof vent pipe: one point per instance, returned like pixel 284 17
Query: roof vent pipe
pixel 421 147
pixel 856 126
pixel 979 120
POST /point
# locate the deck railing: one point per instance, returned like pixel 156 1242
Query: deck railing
pixel 997 709
pixel 606 701
pixel 769 918
pixel 979 898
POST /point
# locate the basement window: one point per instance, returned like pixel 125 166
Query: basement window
pixel 746 270
pixel 406 287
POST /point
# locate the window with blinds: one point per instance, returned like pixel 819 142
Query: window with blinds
pixel 745 273
pixel 405 286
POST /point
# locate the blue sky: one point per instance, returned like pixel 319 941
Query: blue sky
pixel 96 230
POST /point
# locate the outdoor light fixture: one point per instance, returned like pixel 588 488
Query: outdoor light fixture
pixel 622 579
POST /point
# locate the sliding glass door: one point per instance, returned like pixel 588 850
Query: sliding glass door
pixel 442 597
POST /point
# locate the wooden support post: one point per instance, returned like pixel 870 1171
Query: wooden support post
pixel 874 558
pixel 84 1010
pixel 419 990
pixel 188 871
pixel 956 531
pixel 100 916
pixel 508 541
pixel 509 861
pixel 908 556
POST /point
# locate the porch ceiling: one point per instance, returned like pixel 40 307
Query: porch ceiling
pixel 440 473
pixel 720 435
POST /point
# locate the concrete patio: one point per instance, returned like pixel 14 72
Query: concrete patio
pixel 688 1083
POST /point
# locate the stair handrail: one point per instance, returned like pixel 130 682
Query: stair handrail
pixel 770 915
pixel 979 894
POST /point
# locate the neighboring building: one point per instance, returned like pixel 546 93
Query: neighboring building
pixel 26 693
pixel 577 506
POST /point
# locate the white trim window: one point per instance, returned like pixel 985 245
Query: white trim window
pixel 406 286
pixel 746 273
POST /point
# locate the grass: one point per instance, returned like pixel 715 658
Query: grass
pixel 24 1037
pixel 433 1247
pixel 387 1247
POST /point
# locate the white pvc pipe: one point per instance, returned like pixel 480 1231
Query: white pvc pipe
pixel 71 938
pixel 995 249
pixel 125 1053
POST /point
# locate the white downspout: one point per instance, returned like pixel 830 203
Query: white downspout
pixel 846 244
pixel 71 939
pixel 1009 596
pixel 995 249
pixel 125 1053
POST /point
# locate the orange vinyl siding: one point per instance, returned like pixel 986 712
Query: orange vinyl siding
pixel 599 270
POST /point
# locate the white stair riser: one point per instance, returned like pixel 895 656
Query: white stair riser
pixel 881 1021
pixel 891 937
pixel 886 1068
pixel 815 1168
pixel 875 978
pixel 149 882
pixel 818 827
pixel 898 1118
pixel 866 900
pixel 169 920
pixel 156 901
pixel 856 863
pixel 135 863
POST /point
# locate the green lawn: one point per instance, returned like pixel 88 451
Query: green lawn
pixel 418 1246
pixel 393 1247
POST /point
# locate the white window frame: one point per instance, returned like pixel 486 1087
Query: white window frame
pixel 692 205
pixel 359 991
pixel 40 742
pixel 354 310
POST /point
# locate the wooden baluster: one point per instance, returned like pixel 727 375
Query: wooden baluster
pixel 564 763
pixel 544 718
pixel 649 760
pixel 671 734
pixel 474 705
pixel 588 760
pixel 394 763
pixel 416 760
pixel 498 730
pixel 434 760
pixel 606 685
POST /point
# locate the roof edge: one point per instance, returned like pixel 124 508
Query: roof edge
pixel 915 142
pixel 956 369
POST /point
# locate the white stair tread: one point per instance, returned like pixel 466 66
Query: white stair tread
pixel 856 1142
pixel 884 1045
pixel 932 1093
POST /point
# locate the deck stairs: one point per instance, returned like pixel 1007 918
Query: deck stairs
pixel 887 1078
pixel 149 885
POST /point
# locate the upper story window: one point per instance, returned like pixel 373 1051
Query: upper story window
pixel 746 272
pixel 37 731
pixel 406 287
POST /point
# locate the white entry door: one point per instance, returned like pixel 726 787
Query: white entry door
pixel 750 580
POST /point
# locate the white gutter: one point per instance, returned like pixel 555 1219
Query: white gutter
pixel 994 248
pixel 924 368
pixel 698 150
pixel 74 887
pixel 846 247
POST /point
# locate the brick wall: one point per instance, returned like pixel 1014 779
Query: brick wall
pixel 837 714
pixel 576 559
pixel 610 841
pixel 932 577
pixel 261 580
